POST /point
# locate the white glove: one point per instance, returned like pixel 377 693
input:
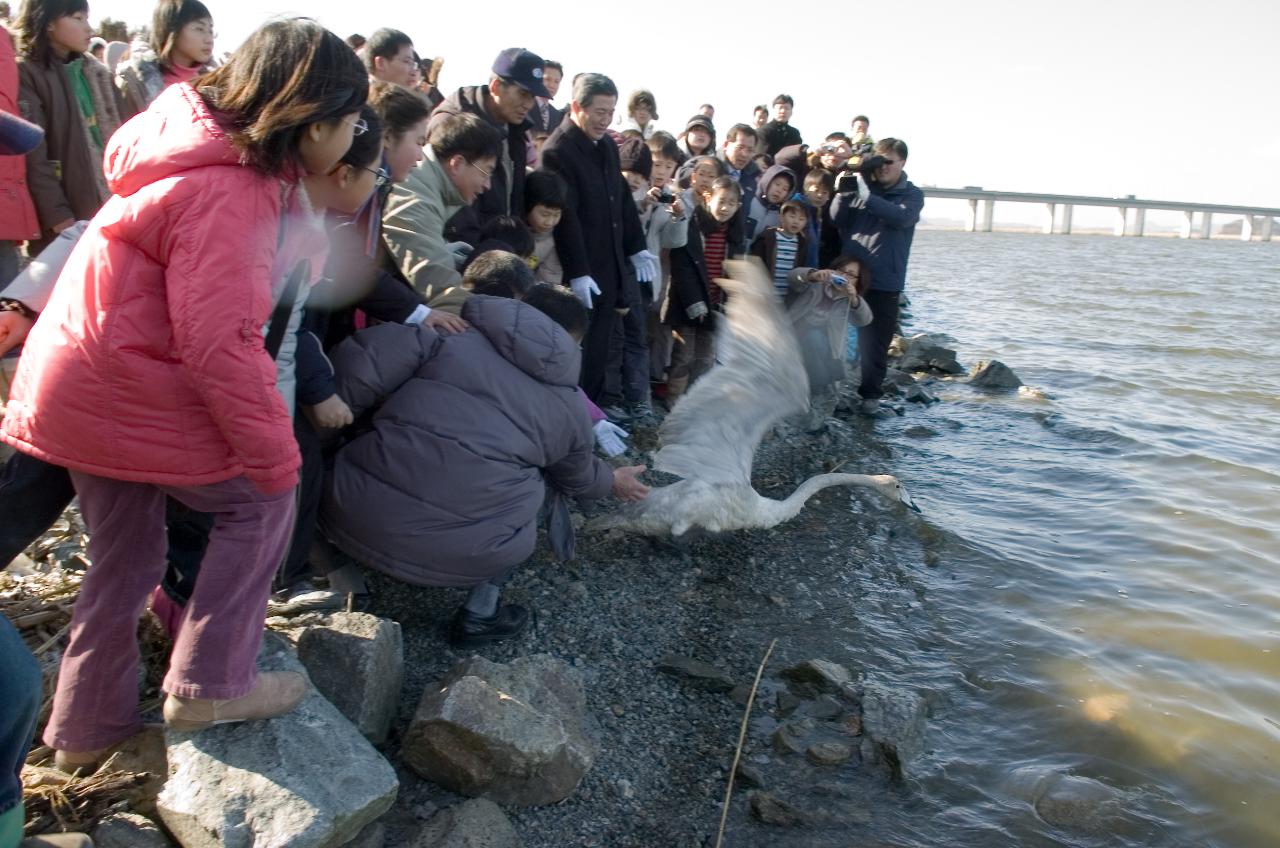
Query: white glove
pixel 646 265
pixel 460 250
pixel 696 311
pixel 864 190
pixel 584 288
pixel 609 437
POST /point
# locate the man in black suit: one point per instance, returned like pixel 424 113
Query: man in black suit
pixel 599 239
pixel 544 116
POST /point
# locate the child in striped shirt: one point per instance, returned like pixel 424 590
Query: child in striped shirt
pixel 785 246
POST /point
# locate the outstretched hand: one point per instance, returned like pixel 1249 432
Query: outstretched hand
pixel 14 327
pixel 449 323
pixel 627 485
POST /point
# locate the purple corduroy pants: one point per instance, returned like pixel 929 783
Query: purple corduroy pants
pixel 96 703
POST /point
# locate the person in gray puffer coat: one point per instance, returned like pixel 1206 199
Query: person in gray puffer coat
pixel 469 435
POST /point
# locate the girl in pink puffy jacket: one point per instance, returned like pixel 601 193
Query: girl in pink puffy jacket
pixel 146 376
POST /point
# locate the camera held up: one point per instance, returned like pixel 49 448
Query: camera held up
pixel 847 180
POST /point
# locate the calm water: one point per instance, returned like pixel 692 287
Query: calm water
pixel 1106 601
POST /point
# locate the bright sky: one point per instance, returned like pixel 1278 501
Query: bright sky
pixel 1171 100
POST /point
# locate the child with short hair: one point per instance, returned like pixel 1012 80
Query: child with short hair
pixel 824 238
pixel 694 295
pixel 785 246
pixel 545 195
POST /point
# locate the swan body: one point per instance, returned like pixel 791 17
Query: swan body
pixel 710 438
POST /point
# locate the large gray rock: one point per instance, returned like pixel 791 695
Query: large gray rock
pixel 516 733
pixel 994 374
pixel 893 724
pixel 129 830
pixel 478 823
pixel 925 352
pixel 356 660
pixel 306 779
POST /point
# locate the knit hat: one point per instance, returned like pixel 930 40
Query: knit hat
pixel 700 121
pixel 636 157
pixel 18 137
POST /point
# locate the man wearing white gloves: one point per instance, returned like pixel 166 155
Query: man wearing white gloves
pixel 599 238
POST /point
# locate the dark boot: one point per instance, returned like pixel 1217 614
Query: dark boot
pixel 469 630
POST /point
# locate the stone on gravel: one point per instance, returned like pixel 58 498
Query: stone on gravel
pixel 829 753
pixel 792 736
pixel 356 660
pixel 129 830
pixel 516 733
pixel 749 775
pixel 817 677
pixel 478 823
pixel 994 374
pixel 824 707
pixel 773 810
pixel 893 722
pixel 695 673
pixel 1078 803
pixel 306 779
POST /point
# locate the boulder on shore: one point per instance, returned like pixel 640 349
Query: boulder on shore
pixel 924 352
pixel 994 374
pixel 478 823
pixel 516 733
pixel 129 830
pixel 306 779
pixel 356 660
pixel 893 724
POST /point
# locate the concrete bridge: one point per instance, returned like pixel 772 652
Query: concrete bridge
pixel 1131 213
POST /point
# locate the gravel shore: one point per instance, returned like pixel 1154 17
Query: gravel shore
pixel 625 602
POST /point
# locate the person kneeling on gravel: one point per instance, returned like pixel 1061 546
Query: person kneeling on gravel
pixel 459 441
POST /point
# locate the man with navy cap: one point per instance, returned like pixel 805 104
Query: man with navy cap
pixel 505 103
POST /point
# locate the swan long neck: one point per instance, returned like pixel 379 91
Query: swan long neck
pixel 790 508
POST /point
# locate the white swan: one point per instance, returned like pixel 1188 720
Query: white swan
pixel 710 438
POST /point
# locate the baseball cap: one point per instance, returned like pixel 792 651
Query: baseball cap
pixel 522 67
pixel 18 137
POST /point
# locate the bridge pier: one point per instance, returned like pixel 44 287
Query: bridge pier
pixel 1184 231
pixel 1267 223
pixel 1065 227
pixel 1246 228
pixel 1122 215
pixel 1139 221
pixel 988 212
pixel 1046 226
pixel 971 217
pixel 1206 225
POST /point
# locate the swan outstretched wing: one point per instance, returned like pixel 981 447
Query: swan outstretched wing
pixel 713 431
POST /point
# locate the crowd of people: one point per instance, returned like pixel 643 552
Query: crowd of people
pixel 280 315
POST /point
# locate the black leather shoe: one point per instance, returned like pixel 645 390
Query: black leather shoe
pixel 469 630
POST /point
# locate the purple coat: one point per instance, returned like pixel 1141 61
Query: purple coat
pixel 444 486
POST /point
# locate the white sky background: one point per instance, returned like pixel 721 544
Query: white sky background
pixel 1171 100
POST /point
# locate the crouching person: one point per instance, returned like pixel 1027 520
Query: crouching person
pixel 822 304
pixel 464 439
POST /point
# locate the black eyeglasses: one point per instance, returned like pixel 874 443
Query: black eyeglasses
pixel 383 177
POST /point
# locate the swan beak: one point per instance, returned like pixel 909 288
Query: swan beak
pixel 908 502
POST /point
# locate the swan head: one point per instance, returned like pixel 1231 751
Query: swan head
pixel 891 487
